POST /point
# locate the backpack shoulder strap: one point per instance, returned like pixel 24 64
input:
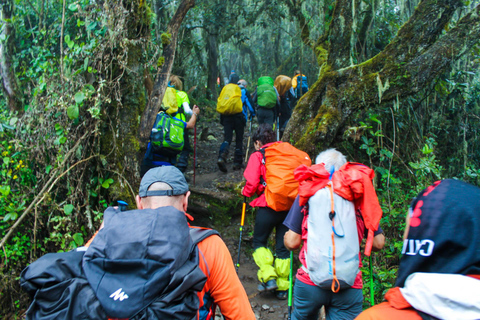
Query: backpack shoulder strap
pixel 200 234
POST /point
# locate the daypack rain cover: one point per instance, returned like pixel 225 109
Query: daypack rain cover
pixel 230 100
pixel 145 257
pixel 266 95
pixel 169 102
pixel 167 135
pixel 283 84
pixel 281 159
pixel 323 255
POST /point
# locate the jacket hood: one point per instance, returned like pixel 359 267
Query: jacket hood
pixel 444 234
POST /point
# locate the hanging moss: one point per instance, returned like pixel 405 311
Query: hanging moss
pixel 166 38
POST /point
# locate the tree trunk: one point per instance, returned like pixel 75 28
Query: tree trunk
pixel 417 55
pixel 169 41
pixel 7 73
pixel 212 65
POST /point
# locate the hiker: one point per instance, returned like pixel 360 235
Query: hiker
pixel 326 279
pixel 439 272
pixel 183 109
pixel 283 84
pixel 234 107
pixel 233 77
pixel 299 84
pixel 167 138
pixel 141 261
pixel 272 274
pixel 267 101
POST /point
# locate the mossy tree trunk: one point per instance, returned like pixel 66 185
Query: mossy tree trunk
pixel 7 74
pixel 119 141
pixel 169 41
pixel 420 52
pixel 125 137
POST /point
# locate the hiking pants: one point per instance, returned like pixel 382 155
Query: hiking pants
pixel 187 149
pixel 265 220
pixel 235 122
pixel 308 299
pixel 265 115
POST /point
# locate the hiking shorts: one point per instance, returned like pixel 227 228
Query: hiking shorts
pixel 308 299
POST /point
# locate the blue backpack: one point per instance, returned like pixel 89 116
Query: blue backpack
pixel 301 84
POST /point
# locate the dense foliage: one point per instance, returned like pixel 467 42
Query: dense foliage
pixel 85 70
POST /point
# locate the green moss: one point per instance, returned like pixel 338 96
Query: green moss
pixel 166 38
pixel 160 61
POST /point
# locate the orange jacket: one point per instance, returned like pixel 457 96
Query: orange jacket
pixel 353 181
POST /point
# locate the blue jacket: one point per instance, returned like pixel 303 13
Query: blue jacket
pixel 247 106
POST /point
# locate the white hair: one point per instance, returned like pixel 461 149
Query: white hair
pixel 331 158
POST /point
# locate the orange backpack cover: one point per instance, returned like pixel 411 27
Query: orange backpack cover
pixel 281 159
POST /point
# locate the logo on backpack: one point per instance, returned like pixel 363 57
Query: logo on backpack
pixel 266 93
pixel 280 160
pixel 167 135
pixel 119 295
pixel 230 100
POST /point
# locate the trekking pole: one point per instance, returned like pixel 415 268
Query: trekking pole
pixel 249 138
pixel 372 293
pixel 194 151
pixel 278 128
pixel 241 231
pixel 290 288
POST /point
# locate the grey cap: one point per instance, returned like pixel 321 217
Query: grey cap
pixel 166 174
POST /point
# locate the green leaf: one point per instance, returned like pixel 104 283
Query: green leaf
pixel 79 97
pixel 106 184
pixel 85 64
pixel 6 160
pixel 73 7
pixel 72 112
pixel 48 168
pixel 5 190
pixel 69 42
pixel 78 238
pixel 68 209
pixel 10 216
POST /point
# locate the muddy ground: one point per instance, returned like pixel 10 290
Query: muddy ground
pixel 209 179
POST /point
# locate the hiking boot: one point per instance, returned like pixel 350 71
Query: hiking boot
pixel 222 164
pixel 282 295
pixel 237 166
pixel 268 286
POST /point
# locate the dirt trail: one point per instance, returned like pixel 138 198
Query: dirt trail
pixel 207 176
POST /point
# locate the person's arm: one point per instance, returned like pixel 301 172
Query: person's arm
pixel 293 237
pixel 252 174
pixel 193 119
pixel 292 240
pixel 378 242
pixel 223 284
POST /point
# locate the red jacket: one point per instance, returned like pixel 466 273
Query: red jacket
pixel 353 181
pixel 253 173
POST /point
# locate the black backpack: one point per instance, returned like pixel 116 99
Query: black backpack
pixel 142 265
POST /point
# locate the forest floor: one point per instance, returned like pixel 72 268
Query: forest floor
pixel 209 178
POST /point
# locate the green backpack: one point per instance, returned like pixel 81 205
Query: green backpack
pixel 266 94
pixel 167 135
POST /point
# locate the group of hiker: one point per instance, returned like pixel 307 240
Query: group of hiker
pixel 152 263
pixel 272 102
